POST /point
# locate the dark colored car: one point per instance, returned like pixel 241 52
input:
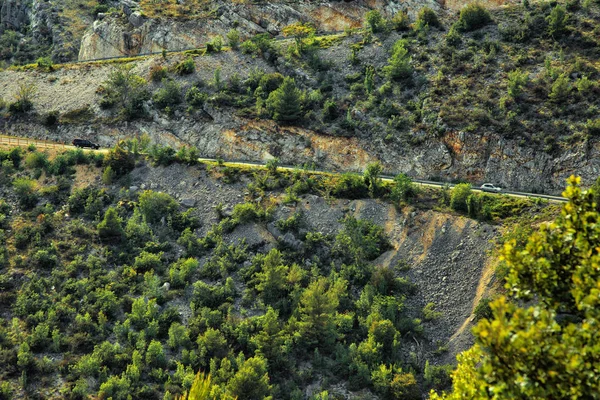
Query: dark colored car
pixel 85 143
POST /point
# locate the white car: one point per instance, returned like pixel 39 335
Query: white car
pixel 488 187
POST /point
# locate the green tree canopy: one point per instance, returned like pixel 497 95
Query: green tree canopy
pixel 548 350
pixel 285 102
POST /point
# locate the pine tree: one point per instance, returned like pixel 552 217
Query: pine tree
pixel 110 228
pixel 285 102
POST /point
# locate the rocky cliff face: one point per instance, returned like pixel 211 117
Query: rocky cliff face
pixel 131 33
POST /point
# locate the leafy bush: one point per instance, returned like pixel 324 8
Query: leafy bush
pixel 246 212
pixel 233 39
pixel 483 309
pixel 169 95
pixel 156 205
pixel 350 186
pixel 460 193
pixel 399 63
pixel 111 226
pixel 195 97
pixel 516 81
pixel 560 89
pixel 473 16
pixel 215 45
pixel 427 16
pixel 119 160
pixel 400 21
pixel 374 21
pixel 23 98
pixel 285 102
pixel 186 67
pixel 557 21
pixel 158 73
pixel 25 190
pixel 404 189
pixel 125 91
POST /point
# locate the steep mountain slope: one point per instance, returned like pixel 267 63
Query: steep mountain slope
pixel 507 102
pixel 130 287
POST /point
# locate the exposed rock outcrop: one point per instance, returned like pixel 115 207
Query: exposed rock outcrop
pixel 115 36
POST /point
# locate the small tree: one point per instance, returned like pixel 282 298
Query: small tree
pixel 111 227
pixel 125 90
pixel 473 16
pixel 560 89
pixel 557 21
pixel 374 21
pixel 233 38
pixel 23 98
pixel 299 32
pixel 458 199
pixel 516 81
pixel 428 17
pixel 372 179
pixel 399 63
pixel 403 189
pixel 285 102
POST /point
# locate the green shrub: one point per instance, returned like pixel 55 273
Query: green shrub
pixel 215 45
pixel 180 272
pixel 45 63
pixel 246 212
pixel 25 190
pixel 427 16
pixel 155 355
pixel 557 21
pixel 285 102
pixel 429 313
pixel 162 155
pixel 399 63
pixel 400 21
pixel 51 118
pixel 560 89
pixel 517 80
pixel 195 97
pixel 473 16
pixel 126 91
pixel 437 376
pixel 350 186
pixel 483 309
pixel 108 175
pixel 404 189
pixel 169 95
pixel 158 73
pixel 374 21
pixel 460 194
pixel 111 227
pixel 330 110
pixel 23 98
pixel 593 127
pixel 233 38
pixel 36 160
pixel 119 160
pixel 155 206
pixel 186 67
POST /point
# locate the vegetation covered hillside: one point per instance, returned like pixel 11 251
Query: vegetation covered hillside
pixel 277 284
pixel 508 96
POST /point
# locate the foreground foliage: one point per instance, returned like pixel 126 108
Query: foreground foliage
pixel 549 349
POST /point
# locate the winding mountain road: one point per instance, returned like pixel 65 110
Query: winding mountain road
pixel 7 140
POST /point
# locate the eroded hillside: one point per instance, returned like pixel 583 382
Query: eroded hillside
pixel 511 99
pixel 128 279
